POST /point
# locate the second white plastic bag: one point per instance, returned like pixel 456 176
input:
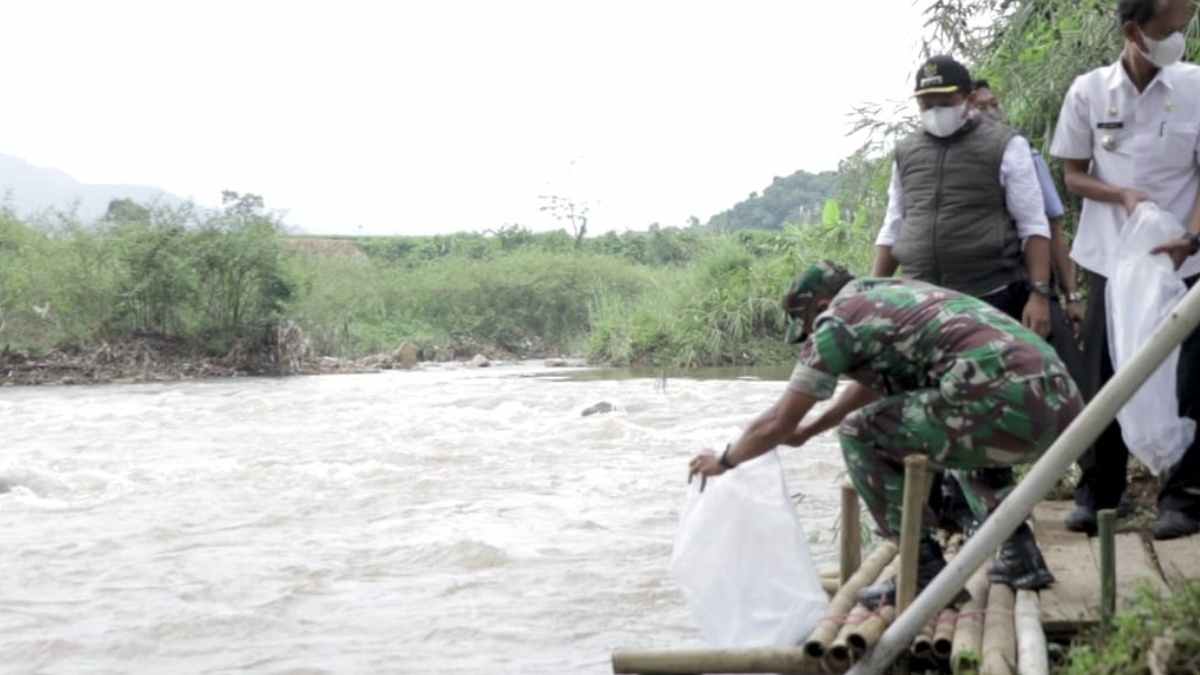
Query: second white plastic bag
pixel 743 561
pixel 1142 291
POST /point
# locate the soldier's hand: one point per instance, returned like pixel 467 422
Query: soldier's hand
pixel 704 465
pixel 1036 316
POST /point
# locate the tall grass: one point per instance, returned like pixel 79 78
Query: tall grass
pixel 665 297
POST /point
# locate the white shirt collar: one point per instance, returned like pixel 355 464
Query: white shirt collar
pixel 1117 77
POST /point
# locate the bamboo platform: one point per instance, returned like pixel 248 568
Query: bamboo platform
pixel 987 633
pixel 1073 602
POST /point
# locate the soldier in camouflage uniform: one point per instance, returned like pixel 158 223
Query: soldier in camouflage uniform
pixel 932 372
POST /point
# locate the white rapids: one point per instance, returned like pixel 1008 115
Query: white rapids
pixel 432 521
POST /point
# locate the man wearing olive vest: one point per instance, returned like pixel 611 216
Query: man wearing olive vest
pixel 965 208
pixel 965 211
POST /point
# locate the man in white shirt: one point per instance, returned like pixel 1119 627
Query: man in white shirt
pixel 1130 132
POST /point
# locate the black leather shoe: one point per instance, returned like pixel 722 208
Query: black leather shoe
pixel 929 563
pixel 1174 524
pixel 1019 563
pixel 1082 519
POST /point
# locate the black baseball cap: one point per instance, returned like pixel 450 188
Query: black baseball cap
pixel 942 75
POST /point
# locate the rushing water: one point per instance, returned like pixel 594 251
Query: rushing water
pixel 435 521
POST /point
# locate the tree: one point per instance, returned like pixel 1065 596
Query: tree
pixel 564 210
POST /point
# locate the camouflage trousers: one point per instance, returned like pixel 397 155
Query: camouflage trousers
pixel 1005 423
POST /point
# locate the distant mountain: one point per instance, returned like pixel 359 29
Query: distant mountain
pixel 29 189
pixel 798 199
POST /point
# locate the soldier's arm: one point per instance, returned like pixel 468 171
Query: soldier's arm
pixel 853 397
pixel 771 428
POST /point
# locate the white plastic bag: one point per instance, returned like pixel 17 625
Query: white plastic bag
pixel 743 562
pixel 1142 291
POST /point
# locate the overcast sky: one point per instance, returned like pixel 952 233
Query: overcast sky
pixel 435 116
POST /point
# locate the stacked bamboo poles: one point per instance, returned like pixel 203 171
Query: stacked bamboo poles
pixel 1032 657
pixel 967 644
pixel 860 629
pixel 943 633
pixel 843 601
pixel 999 641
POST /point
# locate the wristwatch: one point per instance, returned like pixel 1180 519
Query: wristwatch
pixel 724 460
pixel 1041 288
pixel 1194 237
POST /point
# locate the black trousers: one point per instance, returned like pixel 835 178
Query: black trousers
pixel 1104 464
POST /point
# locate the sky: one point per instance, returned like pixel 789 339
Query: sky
pixel 431 116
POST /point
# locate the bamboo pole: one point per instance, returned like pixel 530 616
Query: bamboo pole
pixel 922 646
pixel 830 585
pixel 1036 484
pixel 1032 657
pixel 999 640
pixel 690 661
pixel 847 596
pixel 1107 530
pixel 868 633
pixel 841 652
pixel 943 633
pixel 967 647
pixel 851 536
pixel 915 487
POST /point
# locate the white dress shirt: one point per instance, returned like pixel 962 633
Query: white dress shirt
pixel 1145 141
pixel 1022 195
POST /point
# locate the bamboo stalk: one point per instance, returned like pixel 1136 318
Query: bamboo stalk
pixel 943 633
pixel 967 647
pixel 869 631
pixel 922 646
pixel 851 536
pixel 847 596
pixel 830 585
pixel 852 633
pixel 684 661
pixel 1032 658
pixel 1107 529
pixel 999 640
pixel 841 653
pixel 915 488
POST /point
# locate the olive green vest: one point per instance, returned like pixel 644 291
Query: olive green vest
pixel 957 231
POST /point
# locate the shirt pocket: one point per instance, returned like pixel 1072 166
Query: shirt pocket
pixel 1177 145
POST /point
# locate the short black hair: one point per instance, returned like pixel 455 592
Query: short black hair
pixel 1137 11
pixel 981 84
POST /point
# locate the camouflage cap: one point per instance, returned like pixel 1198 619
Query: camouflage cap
pixel 820 281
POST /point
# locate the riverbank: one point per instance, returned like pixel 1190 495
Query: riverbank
pixel 156 358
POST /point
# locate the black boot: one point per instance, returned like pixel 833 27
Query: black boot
pixel 929 562
pixel 1019 563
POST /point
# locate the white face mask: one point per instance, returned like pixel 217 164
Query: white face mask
pixel 944 122
pixel 1166 52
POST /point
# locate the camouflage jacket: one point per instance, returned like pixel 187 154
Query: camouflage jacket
pixel 898 335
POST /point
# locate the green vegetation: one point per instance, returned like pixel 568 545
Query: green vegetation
pixel 1156 635
pixel 668 296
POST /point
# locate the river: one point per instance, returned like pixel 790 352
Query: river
pixel 433 521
